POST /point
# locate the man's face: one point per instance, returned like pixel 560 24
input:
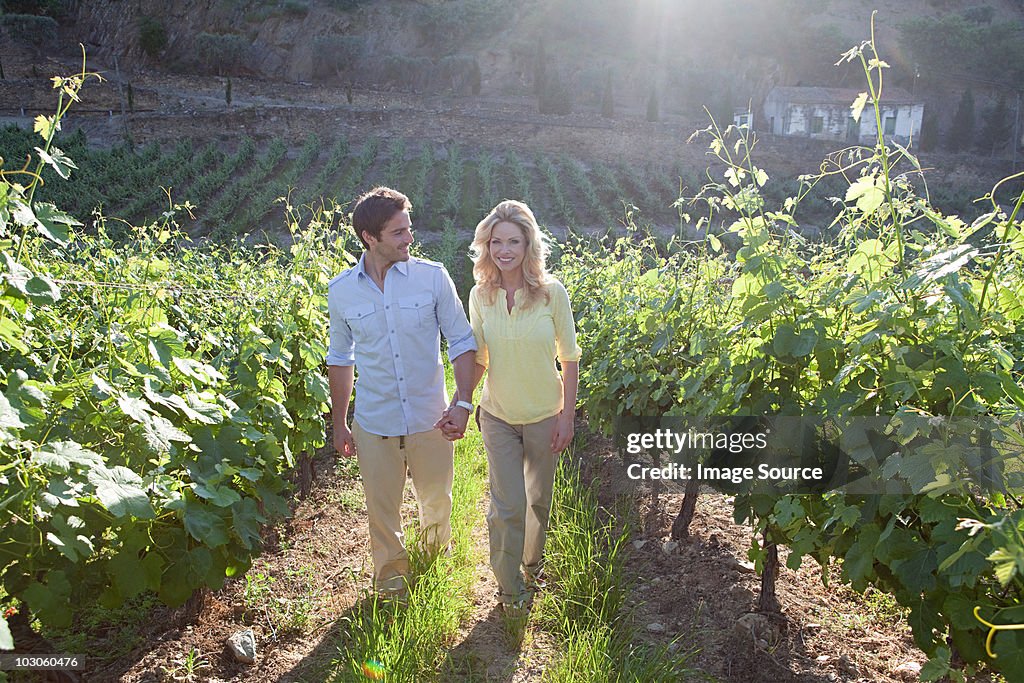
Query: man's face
pixel 395 238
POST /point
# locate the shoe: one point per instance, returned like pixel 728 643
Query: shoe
pixel 518 610
pixel 535 583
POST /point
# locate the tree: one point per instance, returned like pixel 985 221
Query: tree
pixel 131 97
pixel 556 97
pixel 997 131
pixel 652 106
pixel 540 69
pixel 961 130
pixel 928 137
pixel 607 99
pixel 152 36
pixel 227 92
pixel 474 77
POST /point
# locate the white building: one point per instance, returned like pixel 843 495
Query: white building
pixel 824 114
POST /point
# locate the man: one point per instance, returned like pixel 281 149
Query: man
pixel 386 315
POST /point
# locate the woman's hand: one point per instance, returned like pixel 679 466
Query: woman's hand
pixel 564 430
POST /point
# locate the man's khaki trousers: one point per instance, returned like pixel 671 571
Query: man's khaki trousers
pixel 522 475
pixel 383 463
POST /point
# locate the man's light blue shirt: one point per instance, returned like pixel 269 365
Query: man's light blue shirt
pixel 394 340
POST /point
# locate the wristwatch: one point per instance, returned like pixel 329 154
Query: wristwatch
pixel 465 404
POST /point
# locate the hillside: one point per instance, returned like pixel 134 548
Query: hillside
pixel 464 73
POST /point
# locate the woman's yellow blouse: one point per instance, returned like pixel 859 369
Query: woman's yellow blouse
pixel 519 350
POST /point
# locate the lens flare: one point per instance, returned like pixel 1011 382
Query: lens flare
pixel 373 669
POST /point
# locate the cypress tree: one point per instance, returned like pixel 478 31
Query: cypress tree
pixel 997 130
pixel 961 130
pixel 540 69
pixel 652 105
pixel 227 92
pixel 607 100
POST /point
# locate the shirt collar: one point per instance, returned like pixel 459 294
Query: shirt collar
pixel 401 266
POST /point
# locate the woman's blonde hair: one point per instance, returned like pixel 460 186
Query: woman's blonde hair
pixel 535 273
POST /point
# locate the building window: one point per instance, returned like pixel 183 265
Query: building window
pixel 817 124
pixel 890 125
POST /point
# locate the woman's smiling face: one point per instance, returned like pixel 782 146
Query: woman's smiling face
pixel 507 246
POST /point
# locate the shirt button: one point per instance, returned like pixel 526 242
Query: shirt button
pixel 401 379
pixel 392 331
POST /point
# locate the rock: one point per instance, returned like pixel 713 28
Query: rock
pixel 821 659
pixel 639 544
pixel 243 646
pixel 670 547
pixel 847 665
pixel 761 643
pixel 754 626
pixel 908 671
pixel 673 647
pixel 656 628
pixel 812 627
pixel 741 566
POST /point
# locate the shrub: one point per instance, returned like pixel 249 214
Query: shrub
pixel 152 36
pixel 47 8
pixel 31 28
pixel 224 52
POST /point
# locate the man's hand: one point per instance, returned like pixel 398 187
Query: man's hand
pixel 344 442
pixel 564 430
pixel 453 423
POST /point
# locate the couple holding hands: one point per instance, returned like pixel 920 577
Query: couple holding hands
pixel 387 314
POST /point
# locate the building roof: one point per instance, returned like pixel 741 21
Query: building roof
pixel 845 96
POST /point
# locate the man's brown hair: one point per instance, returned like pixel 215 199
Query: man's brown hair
pixel 374 209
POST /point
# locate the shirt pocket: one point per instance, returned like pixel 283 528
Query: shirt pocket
pixel 361 319
pixel 417 310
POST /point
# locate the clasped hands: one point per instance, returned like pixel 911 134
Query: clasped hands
pixel 454 421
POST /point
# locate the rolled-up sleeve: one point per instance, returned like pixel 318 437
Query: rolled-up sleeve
pixel 476 321
pixel 452 317
pixel 565 328
pixel 342 347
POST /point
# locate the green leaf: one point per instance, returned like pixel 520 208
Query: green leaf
pixel 207 374
pixel 917 572
pixel 67 540
pixel 936 667
pixel 867 193
pixel 1009 649
pixel 9 417
pixel 221 496
pixel 62 455
pixel 58 161
pixel 51 602
pixel 120 491
pixel 135 408
pixel 858 106
pixel 247 521
pixel 160 433
pixel 789 342
pixel 1008 562
pixel 46 126
pixel 42 290
pixel 53 224
pixel 859 561
pixel 204 525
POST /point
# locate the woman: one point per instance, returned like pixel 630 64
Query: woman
pixel 522 321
